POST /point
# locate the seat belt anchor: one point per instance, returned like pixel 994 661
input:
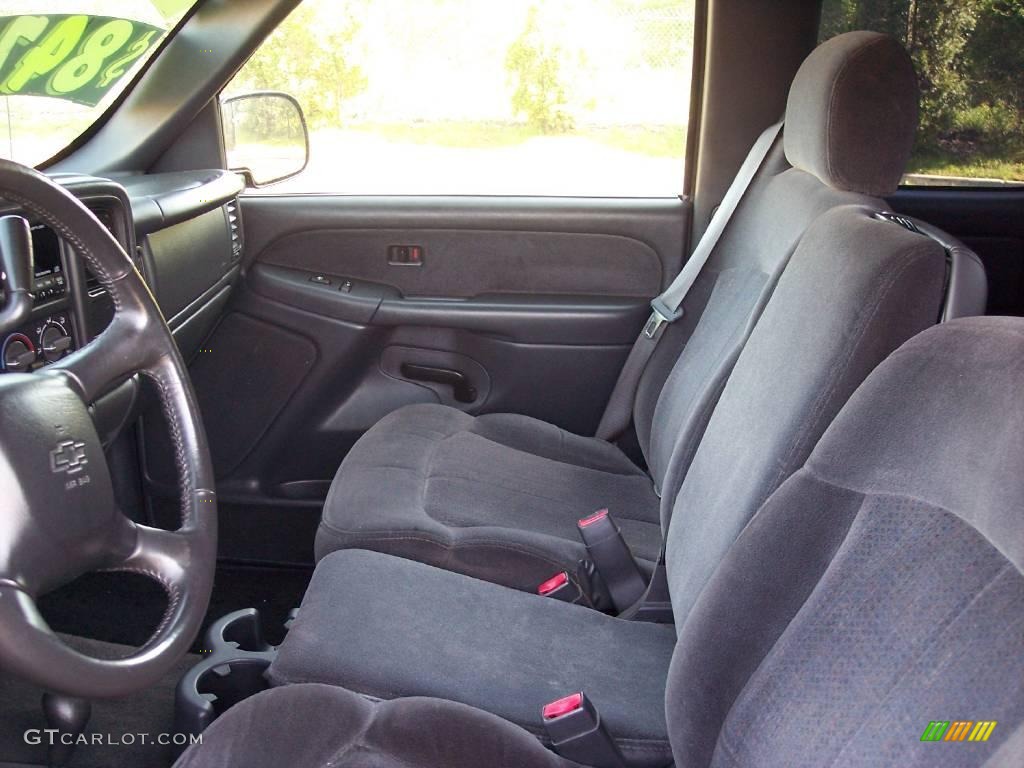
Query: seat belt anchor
pixel 660 315
pixel 612 559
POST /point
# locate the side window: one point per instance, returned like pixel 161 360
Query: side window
pixel 520 97
pixel 969 56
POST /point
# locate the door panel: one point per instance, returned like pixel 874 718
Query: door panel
pixel 991 222
pixel 657 223
pixel 467 263
pixel 541 318
pixel 521 305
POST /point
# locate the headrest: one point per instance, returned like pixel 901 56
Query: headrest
pixel 941 420
pixel 852 113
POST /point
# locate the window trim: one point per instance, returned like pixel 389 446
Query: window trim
pixel 697 78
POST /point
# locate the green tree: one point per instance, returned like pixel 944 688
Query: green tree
pixel 937 33
pixel 310 57
pixel 540 91
pixel 995 53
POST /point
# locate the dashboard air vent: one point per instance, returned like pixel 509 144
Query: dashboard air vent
pixel 92 284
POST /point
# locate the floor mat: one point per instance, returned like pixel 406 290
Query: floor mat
pixel 150 712
pixel 126 608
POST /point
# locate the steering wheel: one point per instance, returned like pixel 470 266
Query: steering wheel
pixel 58 516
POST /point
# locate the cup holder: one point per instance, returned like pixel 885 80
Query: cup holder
pixel 235 657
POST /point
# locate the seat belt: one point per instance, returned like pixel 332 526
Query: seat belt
pixel 668 306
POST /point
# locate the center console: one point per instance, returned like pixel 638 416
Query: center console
pixel 235 658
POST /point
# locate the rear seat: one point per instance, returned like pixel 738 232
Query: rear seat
pixel 497 496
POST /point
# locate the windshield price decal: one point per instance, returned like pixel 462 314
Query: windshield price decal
pixel 72 57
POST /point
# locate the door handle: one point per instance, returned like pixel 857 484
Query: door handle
pixel 462 389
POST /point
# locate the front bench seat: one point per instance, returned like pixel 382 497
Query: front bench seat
pixel 497 496
pixel 879 589
pixel 856 288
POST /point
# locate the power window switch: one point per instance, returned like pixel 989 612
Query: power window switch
pixel 320 279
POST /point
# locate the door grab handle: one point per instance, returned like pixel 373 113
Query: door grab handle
pixel 464 391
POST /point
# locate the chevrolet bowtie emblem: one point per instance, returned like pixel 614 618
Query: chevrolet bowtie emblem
pixel 68 456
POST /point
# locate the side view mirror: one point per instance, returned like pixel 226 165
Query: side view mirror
pixel 265 136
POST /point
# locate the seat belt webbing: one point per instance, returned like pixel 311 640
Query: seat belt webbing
pixel 668 306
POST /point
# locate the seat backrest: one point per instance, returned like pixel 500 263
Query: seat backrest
pixel 829 159
pixel 881 588
pixel 855 289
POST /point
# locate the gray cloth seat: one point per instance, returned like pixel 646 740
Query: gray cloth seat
pixel 273 730
pixel 815 343
pixel 855 288
pixel 880 588
pixel 429 461
pixel 497 497
pixel 449 636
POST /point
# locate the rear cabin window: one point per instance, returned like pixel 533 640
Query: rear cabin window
pixel 520 97
pixel 969 56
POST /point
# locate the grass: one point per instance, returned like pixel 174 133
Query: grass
pixel 656 141
pixel 972 168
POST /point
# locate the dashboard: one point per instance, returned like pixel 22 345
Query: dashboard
pixel 181 230
pixel 68 306
pixel 52 337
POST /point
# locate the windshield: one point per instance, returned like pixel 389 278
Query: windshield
pixel 62 63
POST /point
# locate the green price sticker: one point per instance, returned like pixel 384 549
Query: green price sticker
pixel 73 57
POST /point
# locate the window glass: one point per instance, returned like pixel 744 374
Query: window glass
pixel 533 97
pixel 63 62
pixel 969 56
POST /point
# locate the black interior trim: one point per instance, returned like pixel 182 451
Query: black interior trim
pixel 990 221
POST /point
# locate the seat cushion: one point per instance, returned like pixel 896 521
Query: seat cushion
pixel 495 496
pixel 389 628
pixel 322 725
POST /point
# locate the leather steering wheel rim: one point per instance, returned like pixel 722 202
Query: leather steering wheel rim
pixel 59 520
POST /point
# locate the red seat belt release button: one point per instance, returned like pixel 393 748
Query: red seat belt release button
pixel 553 584
pixel 612 559
pixel 574 726
pixel 562 706
pixel 560 587
pixel 594 519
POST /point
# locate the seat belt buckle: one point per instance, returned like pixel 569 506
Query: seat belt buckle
pixel 612 559
pixel 660 315
pixel 560 587
pixel 574 727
